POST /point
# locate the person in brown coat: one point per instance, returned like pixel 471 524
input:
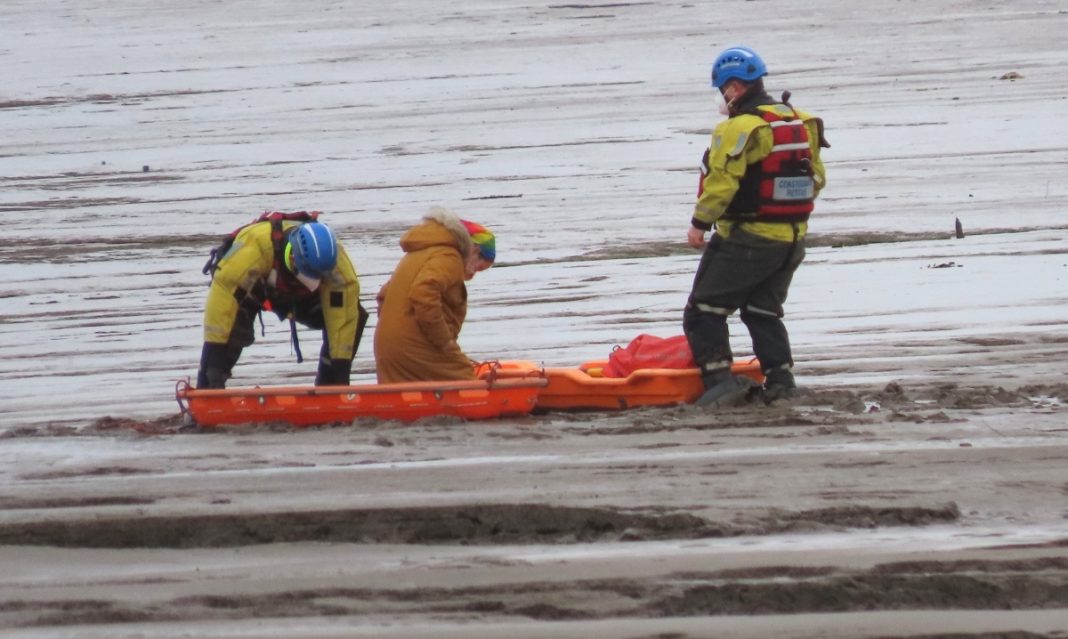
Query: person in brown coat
pixel 422 307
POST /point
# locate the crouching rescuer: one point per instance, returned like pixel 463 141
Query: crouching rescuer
pixel 759 179
pixel 290 264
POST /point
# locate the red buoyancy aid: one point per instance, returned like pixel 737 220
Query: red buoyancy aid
pixel 780 188
pixel 286 287
pixel 277 236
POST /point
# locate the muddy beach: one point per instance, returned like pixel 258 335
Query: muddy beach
pixel 916 488
pixel 818 519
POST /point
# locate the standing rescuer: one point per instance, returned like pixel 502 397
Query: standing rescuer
pixel 759 179
pixel 293 265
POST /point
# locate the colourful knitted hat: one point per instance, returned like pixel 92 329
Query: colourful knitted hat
pixel 483 238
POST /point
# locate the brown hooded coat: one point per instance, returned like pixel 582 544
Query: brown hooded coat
pixel 423 305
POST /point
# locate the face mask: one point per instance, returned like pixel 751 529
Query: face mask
pixel 309 283
pixel 721 104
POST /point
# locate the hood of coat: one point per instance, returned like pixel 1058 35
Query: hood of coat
pixel 438 228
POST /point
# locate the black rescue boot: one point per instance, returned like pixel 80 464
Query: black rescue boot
pixel 723 390
pixel 215 366
pixel 779 387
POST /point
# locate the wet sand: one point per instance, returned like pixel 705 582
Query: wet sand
pixel 917 488
pixel 823 518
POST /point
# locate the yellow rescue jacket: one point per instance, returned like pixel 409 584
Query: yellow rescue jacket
pixel 249 273
pixel 737 143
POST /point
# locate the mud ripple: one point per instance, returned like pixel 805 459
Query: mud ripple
pixel 1040 583
pixel 485 524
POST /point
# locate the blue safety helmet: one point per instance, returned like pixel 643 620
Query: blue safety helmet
pixel 737 63
pixel 314 249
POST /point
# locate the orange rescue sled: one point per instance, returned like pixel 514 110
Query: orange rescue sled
pixel 583 388
pixel 311 406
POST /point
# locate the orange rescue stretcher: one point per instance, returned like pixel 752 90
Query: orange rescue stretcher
pixel 585 388
pixel 503 389
pixel 317 405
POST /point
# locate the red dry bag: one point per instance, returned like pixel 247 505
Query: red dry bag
pixel 649 351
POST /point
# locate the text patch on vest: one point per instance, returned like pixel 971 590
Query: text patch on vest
pixel 793 188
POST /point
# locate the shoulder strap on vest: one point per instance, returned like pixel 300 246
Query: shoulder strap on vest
pixel 277 235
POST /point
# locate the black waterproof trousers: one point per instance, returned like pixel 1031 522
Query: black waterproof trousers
pixel 748 272
pixel 217 360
